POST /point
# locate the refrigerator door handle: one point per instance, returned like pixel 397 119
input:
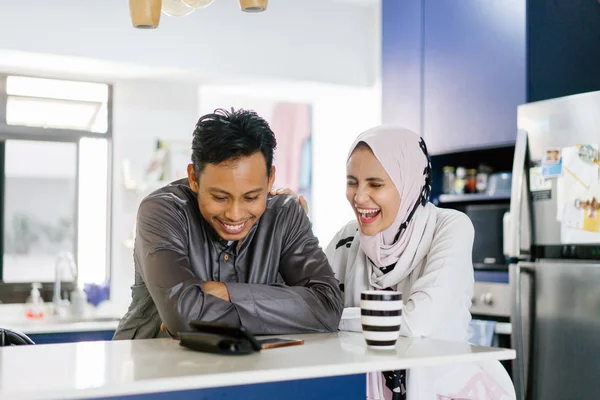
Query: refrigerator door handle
pixel 524 359
pixel 516 198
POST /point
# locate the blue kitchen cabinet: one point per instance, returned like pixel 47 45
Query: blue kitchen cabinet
pixel 349 387
pixel 454 70
pixel 563 42
pixel 474 67
pixel 401 63
pixel 71 337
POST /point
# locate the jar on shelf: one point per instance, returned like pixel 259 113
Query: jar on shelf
pixel 471 181
pixel 459 181
pixel 448 180
pixel 483 173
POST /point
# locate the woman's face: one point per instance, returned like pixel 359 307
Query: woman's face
pixel 370 191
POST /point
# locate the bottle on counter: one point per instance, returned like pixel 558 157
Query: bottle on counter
pixel 34 307
pixel 459 182
pixel 78 302
pixel 448 180
pixel 471 181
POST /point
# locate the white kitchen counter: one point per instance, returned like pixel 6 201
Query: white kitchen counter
pixel 105 319
pixel 118 368
pixel 43 327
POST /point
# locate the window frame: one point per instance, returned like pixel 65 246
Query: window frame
pixel 17 292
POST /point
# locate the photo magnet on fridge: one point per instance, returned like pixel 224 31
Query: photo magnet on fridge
pixel 588 152
pixel 552 163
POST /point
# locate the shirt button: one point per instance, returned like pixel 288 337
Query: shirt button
pixel 226 257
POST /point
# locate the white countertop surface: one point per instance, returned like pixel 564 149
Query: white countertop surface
pixel 104 319
pixel 117 368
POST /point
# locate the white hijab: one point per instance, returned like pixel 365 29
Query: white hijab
pixel 403 155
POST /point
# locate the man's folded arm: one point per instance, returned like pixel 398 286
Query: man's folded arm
pixel 162 254
pixel 310 300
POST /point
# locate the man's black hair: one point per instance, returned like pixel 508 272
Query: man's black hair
pixel 228 135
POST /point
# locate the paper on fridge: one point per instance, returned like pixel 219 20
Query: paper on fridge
pixel 578 193
pixel 578 236
pixel 586 173
pixel 580 222
pixel 577 217
pixel 580 178
pixel 572 217
pixel 540 187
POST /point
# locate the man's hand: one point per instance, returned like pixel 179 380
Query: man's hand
pixel 301 199
pixel 164 329
pixel 218 289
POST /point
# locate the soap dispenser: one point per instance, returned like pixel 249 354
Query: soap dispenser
pixel 34 307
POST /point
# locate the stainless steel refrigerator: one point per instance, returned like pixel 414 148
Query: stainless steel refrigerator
pixel 553 240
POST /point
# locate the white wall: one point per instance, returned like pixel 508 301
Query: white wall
pixel 143 112
pixel 340 113
pixel 313 40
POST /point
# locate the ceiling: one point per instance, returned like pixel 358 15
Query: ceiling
pixel 116 51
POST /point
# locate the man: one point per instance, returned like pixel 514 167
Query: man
pixel 212 247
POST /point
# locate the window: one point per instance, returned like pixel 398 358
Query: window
pixel 51 103
pixel 54 178
pixel 40 184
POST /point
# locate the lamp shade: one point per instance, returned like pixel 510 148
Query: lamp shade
pixel 253 6
pixel 145 14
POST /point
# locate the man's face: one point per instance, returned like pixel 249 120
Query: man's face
pixel 232 195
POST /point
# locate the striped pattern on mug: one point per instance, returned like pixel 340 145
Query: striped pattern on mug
pixel 381 314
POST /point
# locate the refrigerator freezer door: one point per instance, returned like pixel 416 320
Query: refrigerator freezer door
pixel 564 322
pixel 521 284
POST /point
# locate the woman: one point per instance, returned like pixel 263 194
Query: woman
pixel 400 241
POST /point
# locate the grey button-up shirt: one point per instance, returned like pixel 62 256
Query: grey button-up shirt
pixel 278 278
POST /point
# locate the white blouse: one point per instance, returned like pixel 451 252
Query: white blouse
pixel 437 296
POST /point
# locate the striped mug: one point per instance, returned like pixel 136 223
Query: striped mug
pixel 381 313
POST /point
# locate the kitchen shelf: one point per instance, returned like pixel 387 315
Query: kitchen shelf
pixel 464 198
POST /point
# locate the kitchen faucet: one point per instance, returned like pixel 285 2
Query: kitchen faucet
pixel 63 256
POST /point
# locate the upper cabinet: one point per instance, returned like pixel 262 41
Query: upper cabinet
pixel 402 72
pixel 455 71
pixel 563 48
pixel 474 72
